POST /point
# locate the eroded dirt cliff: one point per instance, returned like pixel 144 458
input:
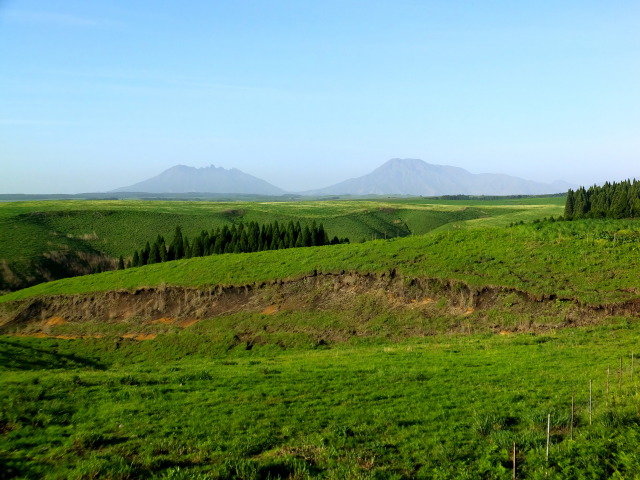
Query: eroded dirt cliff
pixel 495 308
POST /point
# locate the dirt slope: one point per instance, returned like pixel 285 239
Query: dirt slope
pixel 494 307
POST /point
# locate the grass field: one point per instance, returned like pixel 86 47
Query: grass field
pixel 440 407
pixel 589 261
pixel 365 390
pixel 29 226
pixel 31 230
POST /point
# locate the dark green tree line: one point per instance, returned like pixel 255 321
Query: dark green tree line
pixel 240 238
pixel 611 200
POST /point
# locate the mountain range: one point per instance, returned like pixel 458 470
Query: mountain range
pixel 398 176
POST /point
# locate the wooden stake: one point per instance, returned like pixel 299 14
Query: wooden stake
pixel 590 401
pixel 514 460
pixel 572 410
pixel 548 434
pixel 620 376
pixel 608 373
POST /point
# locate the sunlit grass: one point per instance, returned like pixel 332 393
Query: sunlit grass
pixel 117 227
pixel 437 407
pixel 561 259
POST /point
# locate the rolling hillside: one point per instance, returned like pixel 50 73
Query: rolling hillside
pixel 47 240
pixel 582 263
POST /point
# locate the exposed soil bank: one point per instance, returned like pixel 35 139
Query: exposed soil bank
pixel 334 292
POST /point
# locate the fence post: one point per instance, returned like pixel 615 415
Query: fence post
pixel 608 373
pixel 548 435
pixel 620 376
pixel 590 402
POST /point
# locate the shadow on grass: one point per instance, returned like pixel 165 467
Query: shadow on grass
pixel 15 468
pixel 18 355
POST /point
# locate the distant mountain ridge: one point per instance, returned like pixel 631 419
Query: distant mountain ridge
pixel 184 179
pixel 398 176
pixel 408 176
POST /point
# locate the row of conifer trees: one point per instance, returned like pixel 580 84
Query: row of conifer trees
pixel 611 200
pixel 240 238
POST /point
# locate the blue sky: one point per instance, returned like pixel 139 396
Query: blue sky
pixel 101 94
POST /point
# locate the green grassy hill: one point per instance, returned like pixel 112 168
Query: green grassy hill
pixel 588 261
pixel 46 240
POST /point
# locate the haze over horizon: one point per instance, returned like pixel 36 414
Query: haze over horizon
pixel 96 95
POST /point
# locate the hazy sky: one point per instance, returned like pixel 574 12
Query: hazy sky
pixel 99 94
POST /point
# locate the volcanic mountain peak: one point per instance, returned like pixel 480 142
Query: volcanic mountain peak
pixel 211 179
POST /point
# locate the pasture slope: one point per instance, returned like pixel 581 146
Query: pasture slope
pixel 427 356
pixel 47 240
